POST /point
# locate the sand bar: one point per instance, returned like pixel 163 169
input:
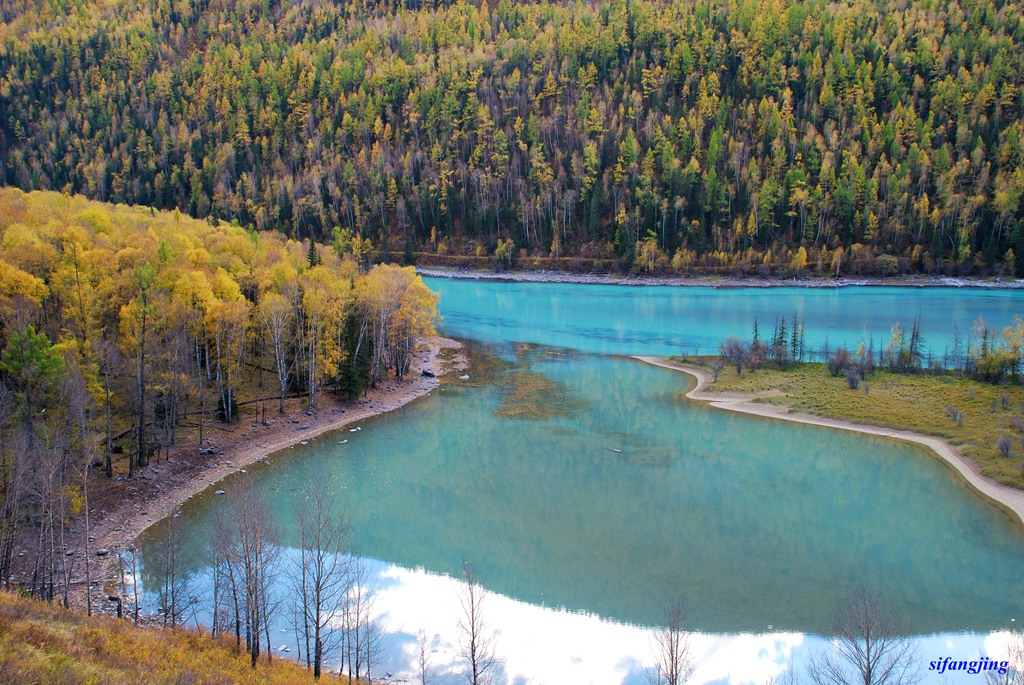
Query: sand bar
pixel 1001 496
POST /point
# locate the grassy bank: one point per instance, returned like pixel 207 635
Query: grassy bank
pixel 922 403
pixel 40 643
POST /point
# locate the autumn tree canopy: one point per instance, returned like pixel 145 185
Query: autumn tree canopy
pixel 119 325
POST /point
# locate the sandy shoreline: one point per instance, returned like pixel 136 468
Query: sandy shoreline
pixel 161 488
pixel 1007 499
pixel 713 282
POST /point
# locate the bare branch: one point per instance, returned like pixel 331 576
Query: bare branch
pixel 868 647
pixel 477 641
pixel 673 658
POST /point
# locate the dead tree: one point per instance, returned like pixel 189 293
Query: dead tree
pixel 736 352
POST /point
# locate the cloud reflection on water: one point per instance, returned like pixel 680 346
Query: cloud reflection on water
pixel 549 645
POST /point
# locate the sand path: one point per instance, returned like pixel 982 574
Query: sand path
pixel 1003 497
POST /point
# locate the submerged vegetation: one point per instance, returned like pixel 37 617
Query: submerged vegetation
pixel 530 395
pixel 478 365
pixel 525 394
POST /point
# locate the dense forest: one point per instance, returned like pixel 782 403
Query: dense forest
pixel 754 136
pixel 118 325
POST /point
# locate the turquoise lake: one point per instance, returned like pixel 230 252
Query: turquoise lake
pixel 625 497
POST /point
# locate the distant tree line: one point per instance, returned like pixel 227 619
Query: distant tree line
pixel 994 356
pixel 749 136
pixel 121 326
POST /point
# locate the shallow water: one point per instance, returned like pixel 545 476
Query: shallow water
pixel 760 525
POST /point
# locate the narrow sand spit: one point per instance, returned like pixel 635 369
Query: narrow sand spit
pixel 123 509
pixel 1004 497
pixel 542 276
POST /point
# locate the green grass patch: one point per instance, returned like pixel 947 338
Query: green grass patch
pixel 919 403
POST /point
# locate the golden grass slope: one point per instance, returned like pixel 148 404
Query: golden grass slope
pixel 40 643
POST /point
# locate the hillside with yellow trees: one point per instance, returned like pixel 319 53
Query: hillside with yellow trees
pixel 119 325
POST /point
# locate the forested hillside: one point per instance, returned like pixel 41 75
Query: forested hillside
pixel 863 136
pixel 120 325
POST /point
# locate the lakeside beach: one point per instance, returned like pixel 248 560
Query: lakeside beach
pixel 123 509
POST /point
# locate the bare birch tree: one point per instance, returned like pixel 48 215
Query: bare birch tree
pixel 673 659
pixel 362 633
pixel 252 553
pixel 477 640
pixel 424 668
pixel 227 589
pixel 321 575
pixel 868 647
pixel 174 564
